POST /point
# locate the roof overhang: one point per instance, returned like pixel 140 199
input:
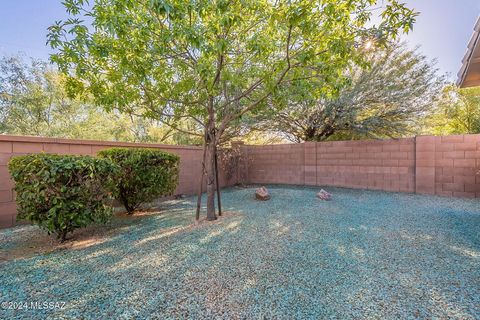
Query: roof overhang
pixel 469 74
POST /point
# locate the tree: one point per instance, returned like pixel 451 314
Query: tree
pixel 212 62
pixel 389 98
pixel 30 97
pixel 458 112
pixel 34 101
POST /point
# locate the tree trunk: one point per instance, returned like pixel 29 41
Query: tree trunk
pixel 318 134
pixel 62 236
pixel 217 184
pixel 210 166
pixel 200 188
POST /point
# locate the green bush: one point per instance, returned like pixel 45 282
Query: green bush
pixel 61 193
pixel 146 174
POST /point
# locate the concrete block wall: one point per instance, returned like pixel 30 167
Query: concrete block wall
pixel 190 164
pixel 449 165
pixel 445 166
pixel 275 163
pixel 376 164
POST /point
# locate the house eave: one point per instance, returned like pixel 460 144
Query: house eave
pixel 469 74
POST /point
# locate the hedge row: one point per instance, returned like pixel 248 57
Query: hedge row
pixel 61 193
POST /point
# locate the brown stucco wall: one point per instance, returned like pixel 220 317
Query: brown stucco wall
pixel 376 164
pixel 445 166
pixel 448 165
pixel 190 164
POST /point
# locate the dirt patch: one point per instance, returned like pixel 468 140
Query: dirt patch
pixel 27 241
pixel 138 213
pixel 227 214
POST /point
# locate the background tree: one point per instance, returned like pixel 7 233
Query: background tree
pixel 212 62
pixel 31 98
pixel 390 98
pixel 458 112
pixel 34 101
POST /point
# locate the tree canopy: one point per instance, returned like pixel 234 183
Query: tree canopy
pixel 458 112
pixel 34 101
pixel 389 98
pixel 214 62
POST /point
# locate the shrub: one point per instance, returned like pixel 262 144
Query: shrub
pixel 146 174
pixel 61 193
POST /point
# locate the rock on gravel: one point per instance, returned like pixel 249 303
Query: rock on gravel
pixel 262 194
pixel 324 195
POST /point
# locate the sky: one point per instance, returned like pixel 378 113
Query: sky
pixel 442 31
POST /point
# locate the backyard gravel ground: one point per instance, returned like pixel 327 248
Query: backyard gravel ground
pixel 365 254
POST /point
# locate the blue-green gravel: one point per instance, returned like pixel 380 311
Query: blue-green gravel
pixel 365 254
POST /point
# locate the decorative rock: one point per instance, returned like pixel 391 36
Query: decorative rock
pixel 324 195
pixel 262 194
